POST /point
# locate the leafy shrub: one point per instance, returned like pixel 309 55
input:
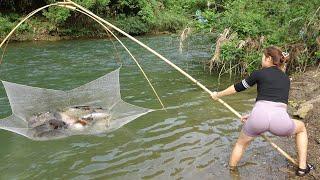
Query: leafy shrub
pixel 6 25
pixel 169 21
pixel 132 25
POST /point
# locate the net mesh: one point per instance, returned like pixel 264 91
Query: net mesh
pixel 44 114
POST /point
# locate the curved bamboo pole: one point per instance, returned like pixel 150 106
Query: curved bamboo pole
pixel 182 72
pixel 71 5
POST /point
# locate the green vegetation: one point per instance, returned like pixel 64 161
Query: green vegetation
pixel 291 24
pixel 136 17
pixel 254 24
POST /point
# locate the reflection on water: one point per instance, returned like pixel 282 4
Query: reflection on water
pixel 192 139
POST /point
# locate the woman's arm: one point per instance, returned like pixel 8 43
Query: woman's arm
pixel 230 90
pixel 240 86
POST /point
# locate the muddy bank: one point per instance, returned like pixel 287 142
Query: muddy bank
pixel 304 104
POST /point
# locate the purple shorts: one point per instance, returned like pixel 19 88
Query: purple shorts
pixel 269 116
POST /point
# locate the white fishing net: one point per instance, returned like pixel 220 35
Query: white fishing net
pixel 44 114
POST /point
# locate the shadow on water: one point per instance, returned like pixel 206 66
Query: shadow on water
pixel 191 140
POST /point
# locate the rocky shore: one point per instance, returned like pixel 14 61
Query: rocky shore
pixel 304 104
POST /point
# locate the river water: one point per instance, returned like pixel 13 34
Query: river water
pixel 191 140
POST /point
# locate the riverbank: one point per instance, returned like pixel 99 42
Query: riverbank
pixel 304 101
pixel 48 37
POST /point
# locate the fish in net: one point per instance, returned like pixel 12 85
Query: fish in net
pixel 93 108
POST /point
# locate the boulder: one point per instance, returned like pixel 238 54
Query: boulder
pixel 303 110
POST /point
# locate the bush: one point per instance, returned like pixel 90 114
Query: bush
pixel 169 21
pixel 287 24
pixel 57 15
pixel 132 25
pixel 6 25
pixel 9 22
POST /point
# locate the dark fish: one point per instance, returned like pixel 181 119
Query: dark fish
pixel 47 124
pixel 40 118
pixel 57 124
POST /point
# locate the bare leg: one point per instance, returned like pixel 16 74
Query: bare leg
pixel 302 142
pixel 239 148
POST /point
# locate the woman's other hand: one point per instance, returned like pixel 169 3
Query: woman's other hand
pixel 214 95
pixel 244 118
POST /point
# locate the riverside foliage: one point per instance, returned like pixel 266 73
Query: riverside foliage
pixel 291 24
pixel 136 17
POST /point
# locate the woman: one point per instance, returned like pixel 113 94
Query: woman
pixel 270 110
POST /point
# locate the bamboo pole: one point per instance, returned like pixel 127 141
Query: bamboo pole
pixel 71 5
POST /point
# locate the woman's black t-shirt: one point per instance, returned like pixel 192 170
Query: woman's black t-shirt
pixel 272 84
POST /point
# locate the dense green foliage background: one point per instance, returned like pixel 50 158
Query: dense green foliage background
pixel 134 16
pixel 291 24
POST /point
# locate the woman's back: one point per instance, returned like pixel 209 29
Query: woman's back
pixel 272 85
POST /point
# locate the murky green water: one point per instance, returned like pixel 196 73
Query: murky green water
pixel 192 139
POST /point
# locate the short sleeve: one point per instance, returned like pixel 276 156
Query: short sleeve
pixel 247 82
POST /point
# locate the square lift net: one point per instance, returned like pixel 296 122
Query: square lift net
pixel 93 108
